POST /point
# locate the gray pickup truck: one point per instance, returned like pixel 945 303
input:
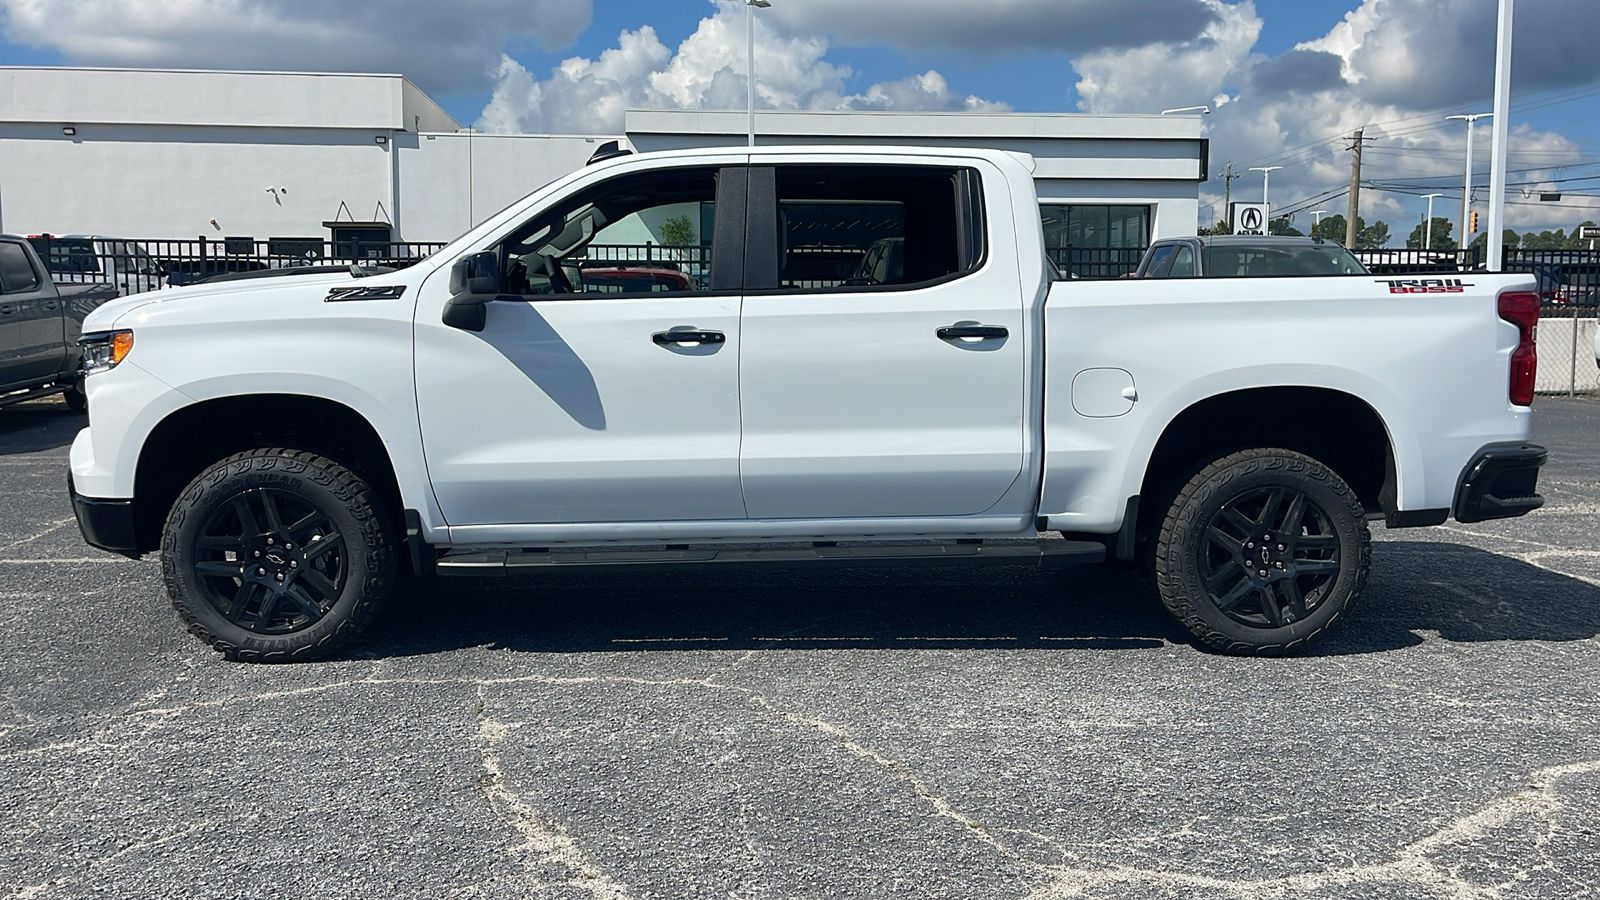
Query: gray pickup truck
pixel 40 323
pixel 1246 256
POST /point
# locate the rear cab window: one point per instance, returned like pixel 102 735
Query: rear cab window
pixel 868 228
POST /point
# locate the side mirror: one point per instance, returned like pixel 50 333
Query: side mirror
pixel 475 278
pixel 474 282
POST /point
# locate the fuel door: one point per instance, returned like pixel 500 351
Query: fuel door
pixel 1103 393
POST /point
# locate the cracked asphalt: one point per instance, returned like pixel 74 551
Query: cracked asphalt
pixel 987 733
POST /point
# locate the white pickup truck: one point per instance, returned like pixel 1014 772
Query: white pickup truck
pixel 290 445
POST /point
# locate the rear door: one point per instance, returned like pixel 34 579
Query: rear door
pixel 32 335
pixel 873 390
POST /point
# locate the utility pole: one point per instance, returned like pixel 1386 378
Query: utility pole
pixel 1350 229
pixel 1227 194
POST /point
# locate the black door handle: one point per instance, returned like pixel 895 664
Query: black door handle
pixel 688 337
pixel 949 332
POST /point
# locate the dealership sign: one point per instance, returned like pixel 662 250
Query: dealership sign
pixel 1249 218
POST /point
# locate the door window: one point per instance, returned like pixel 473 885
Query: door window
pixel 640 234
pixel 874 228
pixel 1182 263
pixel 1160 261
pixel 16 273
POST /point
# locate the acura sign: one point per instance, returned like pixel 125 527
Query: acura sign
pixel 1249 218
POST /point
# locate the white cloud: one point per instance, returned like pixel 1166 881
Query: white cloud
pixel 1385 67
pixel 707 71
pixel 1164 75
pixel 1069 26
pixel 441 46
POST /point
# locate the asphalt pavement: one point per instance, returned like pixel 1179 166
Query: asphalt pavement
pixel 985 733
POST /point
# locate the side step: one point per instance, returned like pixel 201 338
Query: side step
pixel 1039 553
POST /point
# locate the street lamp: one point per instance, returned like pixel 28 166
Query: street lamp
pixel 1427 230
pixel 1466 190
pixel 750 72
pixel 1203 110
pixel 1266 176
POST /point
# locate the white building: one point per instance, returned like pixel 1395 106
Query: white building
pixel 162 154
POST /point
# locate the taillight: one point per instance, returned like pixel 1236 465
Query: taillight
pixel 1522 310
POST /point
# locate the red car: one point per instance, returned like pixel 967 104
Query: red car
pixel 623 279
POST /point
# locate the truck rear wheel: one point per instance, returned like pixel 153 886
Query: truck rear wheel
pixel 276 555
pixel 1262 552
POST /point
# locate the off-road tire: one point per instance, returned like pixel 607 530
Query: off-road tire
pixel 364 549
pixel 1190 552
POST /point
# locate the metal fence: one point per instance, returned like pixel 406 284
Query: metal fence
pixel 1096 262
pixel 137 266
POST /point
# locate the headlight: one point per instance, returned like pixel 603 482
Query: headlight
pixel 104 349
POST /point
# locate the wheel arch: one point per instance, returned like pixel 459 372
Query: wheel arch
pixel 193 437
pixel 1337 428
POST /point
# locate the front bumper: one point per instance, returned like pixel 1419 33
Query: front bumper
pixel 107 524
pixel 1500 483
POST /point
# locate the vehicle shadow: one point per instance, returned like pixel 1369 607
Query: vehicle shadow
pixel 1461 593
pixel 38 425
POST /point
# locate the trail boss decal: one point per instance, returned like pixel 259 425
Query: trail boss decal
pixel 1426 286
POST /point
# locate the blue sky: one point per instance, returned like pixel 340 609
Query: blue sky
pixel 1287 78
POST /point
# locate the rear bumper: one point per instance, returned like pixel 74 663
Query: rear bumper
pixel 1501 482
pixel 107 524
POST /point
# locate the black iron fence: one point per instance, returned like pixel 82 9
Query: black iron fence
pixel 1096 262
pixel 137 266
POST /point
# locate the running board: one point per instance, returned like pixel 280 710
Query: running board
pixel 1042 553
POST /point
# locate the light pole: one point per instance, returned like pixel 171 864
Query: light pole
pixel 750 71
pixel 1466 190
pixel 1316 219
pixel 1427 230
pixel 1266 178
pixel 1202 110
pixel 1497 153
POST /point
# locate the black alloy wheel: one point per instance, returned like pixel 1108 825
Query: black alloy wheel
pixel 270 561
pixel 1271 557
pixel 1262 552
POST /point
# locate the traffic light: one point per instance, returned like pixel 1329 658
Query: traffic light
pixel 1472 223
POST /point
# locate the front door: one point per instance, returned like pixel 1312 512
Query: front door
pixel 606 388
pixel 32 320
pixel 884 352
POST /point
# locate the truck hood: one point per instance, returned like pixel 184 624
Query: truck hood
pixel 106 316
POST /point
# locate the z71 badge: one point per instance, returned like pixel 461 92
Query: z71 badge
pixel 1426 285
pixel 340 294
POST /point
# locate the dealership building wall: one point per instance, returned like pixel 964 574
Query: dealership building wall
pixel 177 154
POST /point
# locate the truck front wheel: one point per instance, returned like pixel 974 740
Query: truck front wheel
pixel 1262 552
pixel 276 555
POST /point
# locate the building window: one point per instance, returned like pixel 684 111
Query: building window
pixel 1095 241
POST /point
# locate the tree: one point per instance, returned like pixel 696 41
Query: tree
pixel 678 231
pixel 1281 225
pixel 1219 227
pixel 1331 228
pixel 1441 235
pixel 1508 240
pixel 1371 237
pixel 1574 242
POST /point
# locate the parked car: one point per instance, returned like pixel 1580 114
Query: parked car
pixel 626 279
pixel 39 327
pixel 1246 256
pixel 289 449
pixel 88 258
